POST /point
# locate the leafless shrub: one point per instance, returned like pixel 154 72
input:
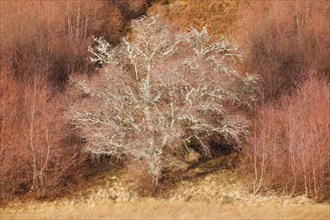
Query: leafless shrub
pixel 161 90
pixel 37 153
pixel 284 40
pixel 289 147
pixel 139 179
pixel 50 37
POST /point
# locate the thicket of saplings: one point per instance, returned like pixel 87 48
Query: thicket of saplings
pixel 42 43
pixel 159 96
pixel 288 47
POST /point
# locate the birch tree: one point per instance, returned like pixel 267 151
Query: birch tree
pixel 160 89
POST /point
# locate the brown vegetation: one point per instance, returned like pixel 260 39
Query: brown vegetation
pixel 38 152
pixel 220 194
pixel 289 148
pixel 218 16
pixel 172 80
pixel 283 39
pixel 155 96
pixel 51 38
pixel 42 42
pixel 172 210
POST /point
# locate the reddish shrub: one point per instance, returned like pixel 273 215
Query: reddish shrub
pixel 283 39
pixel 289 148
pixel 38 152
pixel 43 42
pixel 52 37
pixel 138 178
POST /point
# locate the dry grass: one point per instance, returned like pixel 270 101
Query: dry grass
pixel 152 209
pixel 219 16
pixel 217 195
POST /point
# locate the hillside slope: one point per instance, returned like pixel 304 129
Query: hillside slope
pixel 217 192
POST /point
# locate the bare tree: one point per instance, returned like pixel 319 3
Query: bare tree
pixel 161 90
